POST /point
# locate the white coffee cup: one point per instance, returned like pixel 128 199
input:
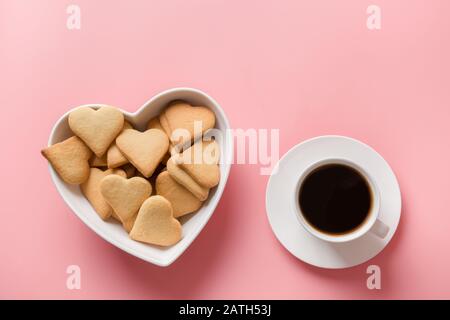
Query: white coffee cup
pixel 371 224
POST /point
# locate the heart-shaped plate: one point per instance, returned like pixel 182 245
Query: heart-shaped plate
pixel 193 223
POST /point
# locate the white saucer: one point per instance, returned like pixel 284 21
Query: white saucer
pixel 294 237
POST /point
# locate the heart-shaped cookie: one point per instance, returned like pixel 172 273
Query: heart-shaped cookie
pixel 70 159
pixel 200 162
pixel 128 225
pixel 181 199
pixel 115 158
pixel 91 190
pixel 97 128
pixel 155 223
pixel 181 115
pixel 180 176
pixel 144 150
pixel 155 124
pixel 125 196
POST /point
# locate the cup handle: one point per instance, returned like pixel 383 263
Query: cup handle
pixel 379 229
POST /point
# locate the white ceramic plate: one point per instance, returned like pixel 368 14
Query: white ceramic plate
pixel 282 217
pixel 193 224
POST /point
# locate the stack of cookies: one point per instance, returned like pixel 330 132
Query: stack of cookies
pixel 147 179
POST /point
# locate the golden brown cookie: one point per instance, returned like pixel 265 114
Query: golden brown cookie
pixel 200 162
pixel 115 158
pixel 180 176
pixel 115 216
pixel 91 190
pixel 97 128
pixel 128 225
pixel 155 124
pixel 144 150
pixel 196 168
pixel 70 159
pixel 155 223
pixel 181 115
pixel 125 196
pixel 182 200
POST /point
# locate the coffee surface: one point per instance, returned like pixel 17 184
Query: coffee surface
pixel 335 199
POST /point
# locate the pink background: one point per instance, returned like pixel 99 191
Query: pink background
pixel 306 67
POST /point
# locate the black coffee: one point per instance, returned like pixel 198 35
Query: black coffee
pixel 335 199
